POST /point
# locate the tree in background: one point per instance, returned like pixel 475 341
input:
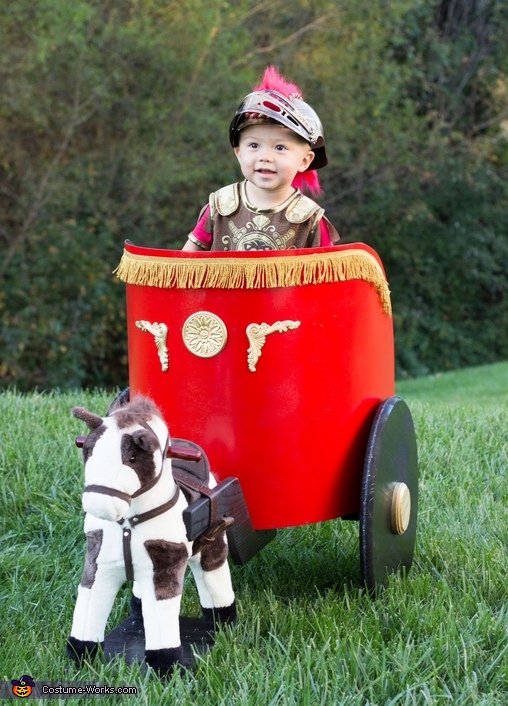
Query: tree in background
pixel 110 127
pixel 114 125
pixel 438 214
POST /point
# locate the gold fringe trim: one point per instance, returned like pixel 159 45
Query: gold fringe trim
pixel 254 273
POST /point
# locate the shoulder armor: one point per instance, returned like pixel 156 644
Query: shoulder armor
pixel 301 209
pixel 225 200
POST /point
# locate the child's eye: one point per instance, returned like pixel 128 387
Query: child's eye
pixel 280 148
pixel 253 145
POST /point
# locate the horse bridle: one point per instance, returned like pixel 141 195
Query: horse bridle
pixel 106 490
pixel 180 452
pixel 144 516
pixel 113 492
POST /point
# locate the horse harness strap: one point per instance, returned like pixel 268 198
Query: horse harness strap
pixel 193 483
pixel 105 490
pixel 193 489
pixel 194 479
pixel 134 522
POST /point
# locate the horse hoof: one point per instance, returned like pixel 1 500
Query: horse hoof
pixel 82 650
pixel 164 661
pixel 214 617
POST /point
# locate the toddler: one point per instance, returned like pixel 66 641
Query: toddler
pixel 278 140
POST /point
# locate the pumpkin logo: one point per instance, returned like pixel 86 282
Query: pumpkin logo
pixel 22 687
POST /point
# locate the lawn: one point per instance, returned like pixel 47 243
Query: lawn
pixel 307 633
pixel 477 386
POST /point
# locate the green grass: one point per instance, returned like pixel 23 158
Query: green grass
pixel 307 634
pixel 482 385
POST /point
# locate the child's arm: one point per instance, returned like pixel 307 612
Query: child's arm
pixel 329 235
pixel 201 237
pixel 191 247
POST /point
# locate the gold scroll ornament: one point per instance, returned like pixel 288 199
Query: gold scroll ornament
pixel 160 334
pixel 257 333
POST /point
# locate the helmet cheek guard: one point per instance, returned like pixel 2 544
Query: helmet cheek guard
pixel 292 113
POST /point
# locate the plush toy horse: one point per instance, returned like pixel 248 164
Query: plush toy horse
pixel 135 530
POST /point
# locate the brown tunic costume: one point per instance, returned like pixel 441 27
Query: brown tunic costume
pixel 236 225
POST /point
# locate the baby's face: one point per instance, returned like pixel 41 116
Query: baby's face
pixel 270 155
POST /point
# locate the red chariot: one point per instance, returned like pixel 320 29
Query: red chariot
pixel 280 365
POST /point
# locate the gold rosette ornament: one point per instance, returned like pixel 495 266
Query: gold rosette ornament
pixel 204 334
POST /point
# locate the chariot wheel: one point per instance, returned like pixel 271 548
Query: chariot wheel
pixel 389 496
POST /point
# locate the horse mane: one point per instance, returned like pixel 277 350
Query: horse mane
pixel 139 409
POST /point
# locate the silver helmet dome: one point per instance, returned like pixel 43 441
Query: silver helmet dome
pixel 292 112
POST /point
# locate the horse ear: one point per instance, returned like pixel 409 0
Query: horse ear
pixel 91 420
pixel 146 440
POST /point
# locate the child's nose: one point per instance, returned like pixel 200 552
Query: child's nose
pixel 266 155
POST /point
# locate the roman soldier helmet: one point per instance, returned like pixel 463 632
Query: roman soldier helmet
pixel 277 100
pixel 291 112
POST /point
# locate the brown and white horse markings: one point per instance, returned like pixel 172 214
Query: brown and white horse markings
pixel 130 489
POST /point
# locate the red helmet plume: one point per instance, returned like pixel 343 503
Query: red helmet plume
pixel 272 80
